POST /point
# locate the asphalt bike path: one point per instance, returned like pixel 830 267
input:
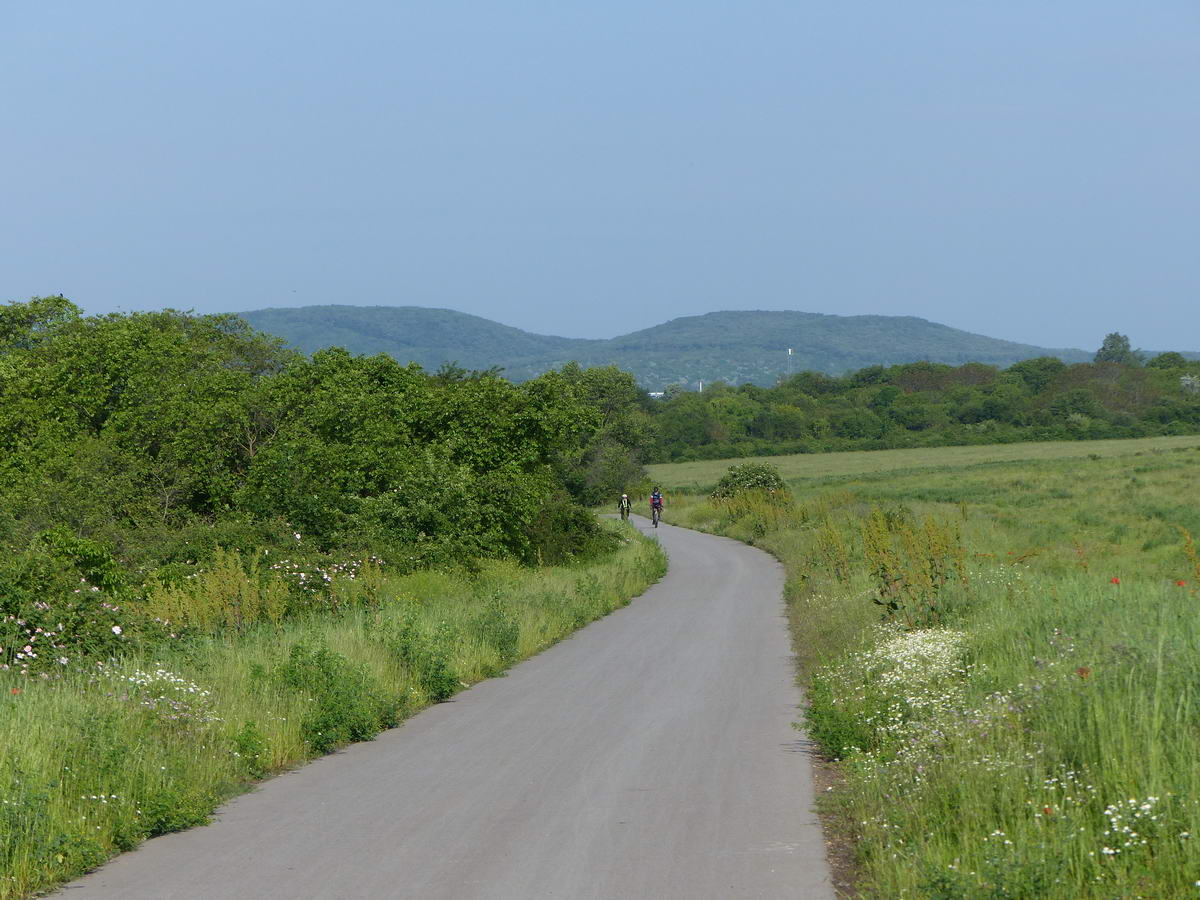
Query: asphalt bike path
pixel 649 755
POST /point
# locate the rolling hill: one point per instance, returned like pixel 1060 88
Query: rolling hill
pixel 735 347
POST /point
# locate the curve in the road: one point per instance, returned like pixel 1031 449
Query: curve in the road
pixel 651 755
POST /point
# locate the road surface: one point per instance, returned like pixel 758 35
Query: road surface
pixel 650 755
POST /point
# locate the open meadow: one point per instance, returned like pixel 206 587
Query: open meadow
pixel 1001 647
pixel 703 474
pixel 94 761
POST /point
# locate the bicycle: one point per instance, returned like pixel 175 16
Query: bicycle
pixel 655 514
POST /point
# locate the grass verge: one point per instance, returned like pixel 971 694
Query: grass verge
pixel 92 764
pixel 1004 658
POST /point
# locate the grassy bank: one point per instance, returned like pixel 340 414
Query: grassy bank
pixel 92 763
pixel 1004 655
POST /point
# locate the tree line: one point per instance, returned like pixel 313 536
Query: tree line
pixel 929 404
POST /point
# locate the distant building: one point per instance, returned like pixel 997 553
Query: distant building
pixel 657 395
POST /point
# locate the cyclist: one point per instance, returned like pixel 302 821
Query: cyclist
pixel 656 506
pixel 625 506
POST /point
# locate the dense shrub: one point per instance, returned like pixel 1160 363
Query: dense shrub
pixel 562 531
pixel 426 654
pixel 250 746
pixel 52 617
pixel 348 705
pixel 170 808
pixel 747 477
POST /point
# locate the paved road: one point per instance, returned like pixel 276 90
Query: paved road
pixel 651 755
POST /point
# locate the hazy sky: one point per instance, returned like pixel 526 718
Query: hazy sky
pixel 1026 170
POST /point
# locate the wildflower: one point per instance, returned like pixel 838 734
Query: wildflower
pixel 1181 582
pixel 116 629
pixel 1083 672
pixel 1114 580
pixel 15 691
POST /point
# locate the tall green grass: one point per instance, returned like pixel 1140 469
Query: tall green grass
pixel 1033 733
pixel 91 764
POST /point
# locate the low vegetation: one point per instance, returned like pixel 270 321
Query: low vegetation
pixel 100 757
pixel 1003 657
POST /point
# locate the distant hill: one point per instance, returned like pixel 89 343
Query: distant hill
pixel 412 334
pixel 735 347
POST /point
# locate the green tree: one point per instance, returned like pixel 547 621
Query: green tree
pixel 1034 374
pixel 22 325
pixel 607 456
pixel 1169 360
pixel 1116 349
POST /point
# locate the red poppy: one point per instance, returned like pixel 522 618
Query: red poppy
pixel 16 690
pixel 1181 582
pixel 1115 580
pixel 1047 810
pixel 1083 672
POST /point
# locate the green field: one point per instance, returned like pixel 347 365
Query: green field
pixel 703 474
pixel 1019 717
pixel 94 761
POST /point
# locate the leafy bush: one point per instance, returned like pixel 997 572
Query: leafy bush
pixel 52 617
pixel 562 531
pixel 752 477
pixel 349 706
pixel 250 746
pixel 170 808
pixel 427 656
pixel 93 561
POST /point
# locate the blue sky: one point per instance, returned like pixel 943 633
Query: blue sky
pixel 1022 169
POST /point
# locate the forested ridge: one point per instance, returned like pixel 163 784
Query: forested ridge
pixel 138 451
pixel 737 347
